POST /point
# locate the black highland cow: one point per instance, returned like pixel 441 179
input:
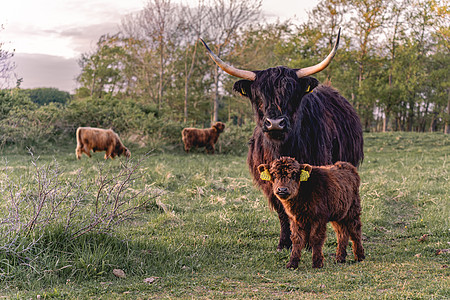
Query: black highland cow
pixel 297 117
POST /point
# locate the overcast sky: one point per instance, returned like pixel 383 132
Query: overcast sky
pixel 49 36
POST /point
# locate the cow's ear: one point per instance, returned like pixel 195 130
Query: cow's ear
pixel 264 172
pixel 243 87
pixel 305 171
pixel 262 167
pixel 308 84
pixel 306 167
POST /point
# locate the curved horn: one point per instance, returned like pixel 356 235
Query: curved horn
pixel 230 69
pixel 322 65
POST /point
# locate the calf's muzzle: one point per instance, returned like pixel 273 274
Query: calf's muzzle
pixel 283 192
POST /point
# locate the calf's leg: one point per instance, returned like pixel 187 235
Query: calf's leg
pixel 298 237
pixel 342 241
pixel 285 230
pixel 354 229
pixel 317 239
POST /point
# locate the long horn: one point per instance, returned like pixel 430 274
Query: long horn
pixel 322 65
pixel 230 69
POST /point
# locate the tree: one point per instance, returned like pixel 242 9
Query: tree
pixel 225 18
pixel 394 31
pixel 44 96
pixel 193 30
pixel 102 70
pixel 157 27
pixel 6 63
pixel 367 17
pixel 322 27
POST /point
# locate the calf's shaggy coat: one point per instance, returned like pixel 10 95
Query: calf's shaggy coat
pixel 312 197
pixel 193 137
pixel 97 139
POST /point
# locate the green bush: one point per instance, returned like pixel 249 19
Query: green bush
pixel 9 99
pixel 24 123
pixel 119 115
pixel 234 140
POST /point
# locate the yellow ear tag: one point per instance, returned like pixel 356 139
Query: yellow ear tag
pixel 242 91
pixel 307 90
pixel 304 175
pixel 265 175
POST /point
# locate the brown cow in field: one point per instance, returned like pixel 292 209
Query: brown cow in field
pixel 98 139
pixel 193 137
pixel 314 196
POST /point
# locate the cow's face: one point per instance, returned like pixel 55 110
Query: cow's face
pixel 122 150
pixel 127 153
pixel 286 175
pixel 220 127
pixel 275 95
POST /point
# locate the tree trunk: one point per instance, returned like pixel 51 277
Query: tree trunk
pixel 447 119
pixel 433 123
pixel 161 74
pixel 216 96
pixel 386 120
pixel 186 83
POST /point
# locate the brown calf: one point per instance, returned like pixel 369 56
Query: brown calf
pixel 98 139
pixel 193 137
pixel 312 197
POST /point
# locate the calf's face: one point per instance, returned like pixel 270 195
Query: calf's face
pixel 219 127
pixel 285 174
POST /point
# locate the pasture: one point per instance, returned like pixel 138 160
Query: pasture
pixel 204 230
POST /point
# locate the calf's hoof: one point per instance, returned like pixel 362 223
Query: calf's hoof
pixel 317 264
pixel 292 264
pixel 340 260
pixel 360 257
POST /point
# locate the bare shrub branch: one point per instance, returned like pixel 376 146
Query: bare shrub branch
pixel 46 199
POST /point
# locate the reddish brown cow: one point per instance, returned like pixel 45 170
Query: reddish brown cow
pixel 193 137
pixel 98 139
pixel 314 196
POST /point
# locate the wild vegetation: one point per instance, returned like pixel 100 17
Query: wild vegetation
pixel 166 224
pixel 200 229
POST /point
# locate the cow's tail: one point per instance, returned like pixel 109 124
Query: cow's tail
pixel 183 135
pixel 78 136
pixel 79 145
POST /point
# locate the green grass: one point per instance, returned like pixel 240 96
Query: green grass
pixel 210 234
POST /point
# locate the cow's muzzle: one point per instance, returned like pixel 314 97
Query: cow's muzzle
pixel 275 124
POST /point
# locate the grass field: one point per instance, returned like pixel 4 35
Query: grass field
pixel 207 232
